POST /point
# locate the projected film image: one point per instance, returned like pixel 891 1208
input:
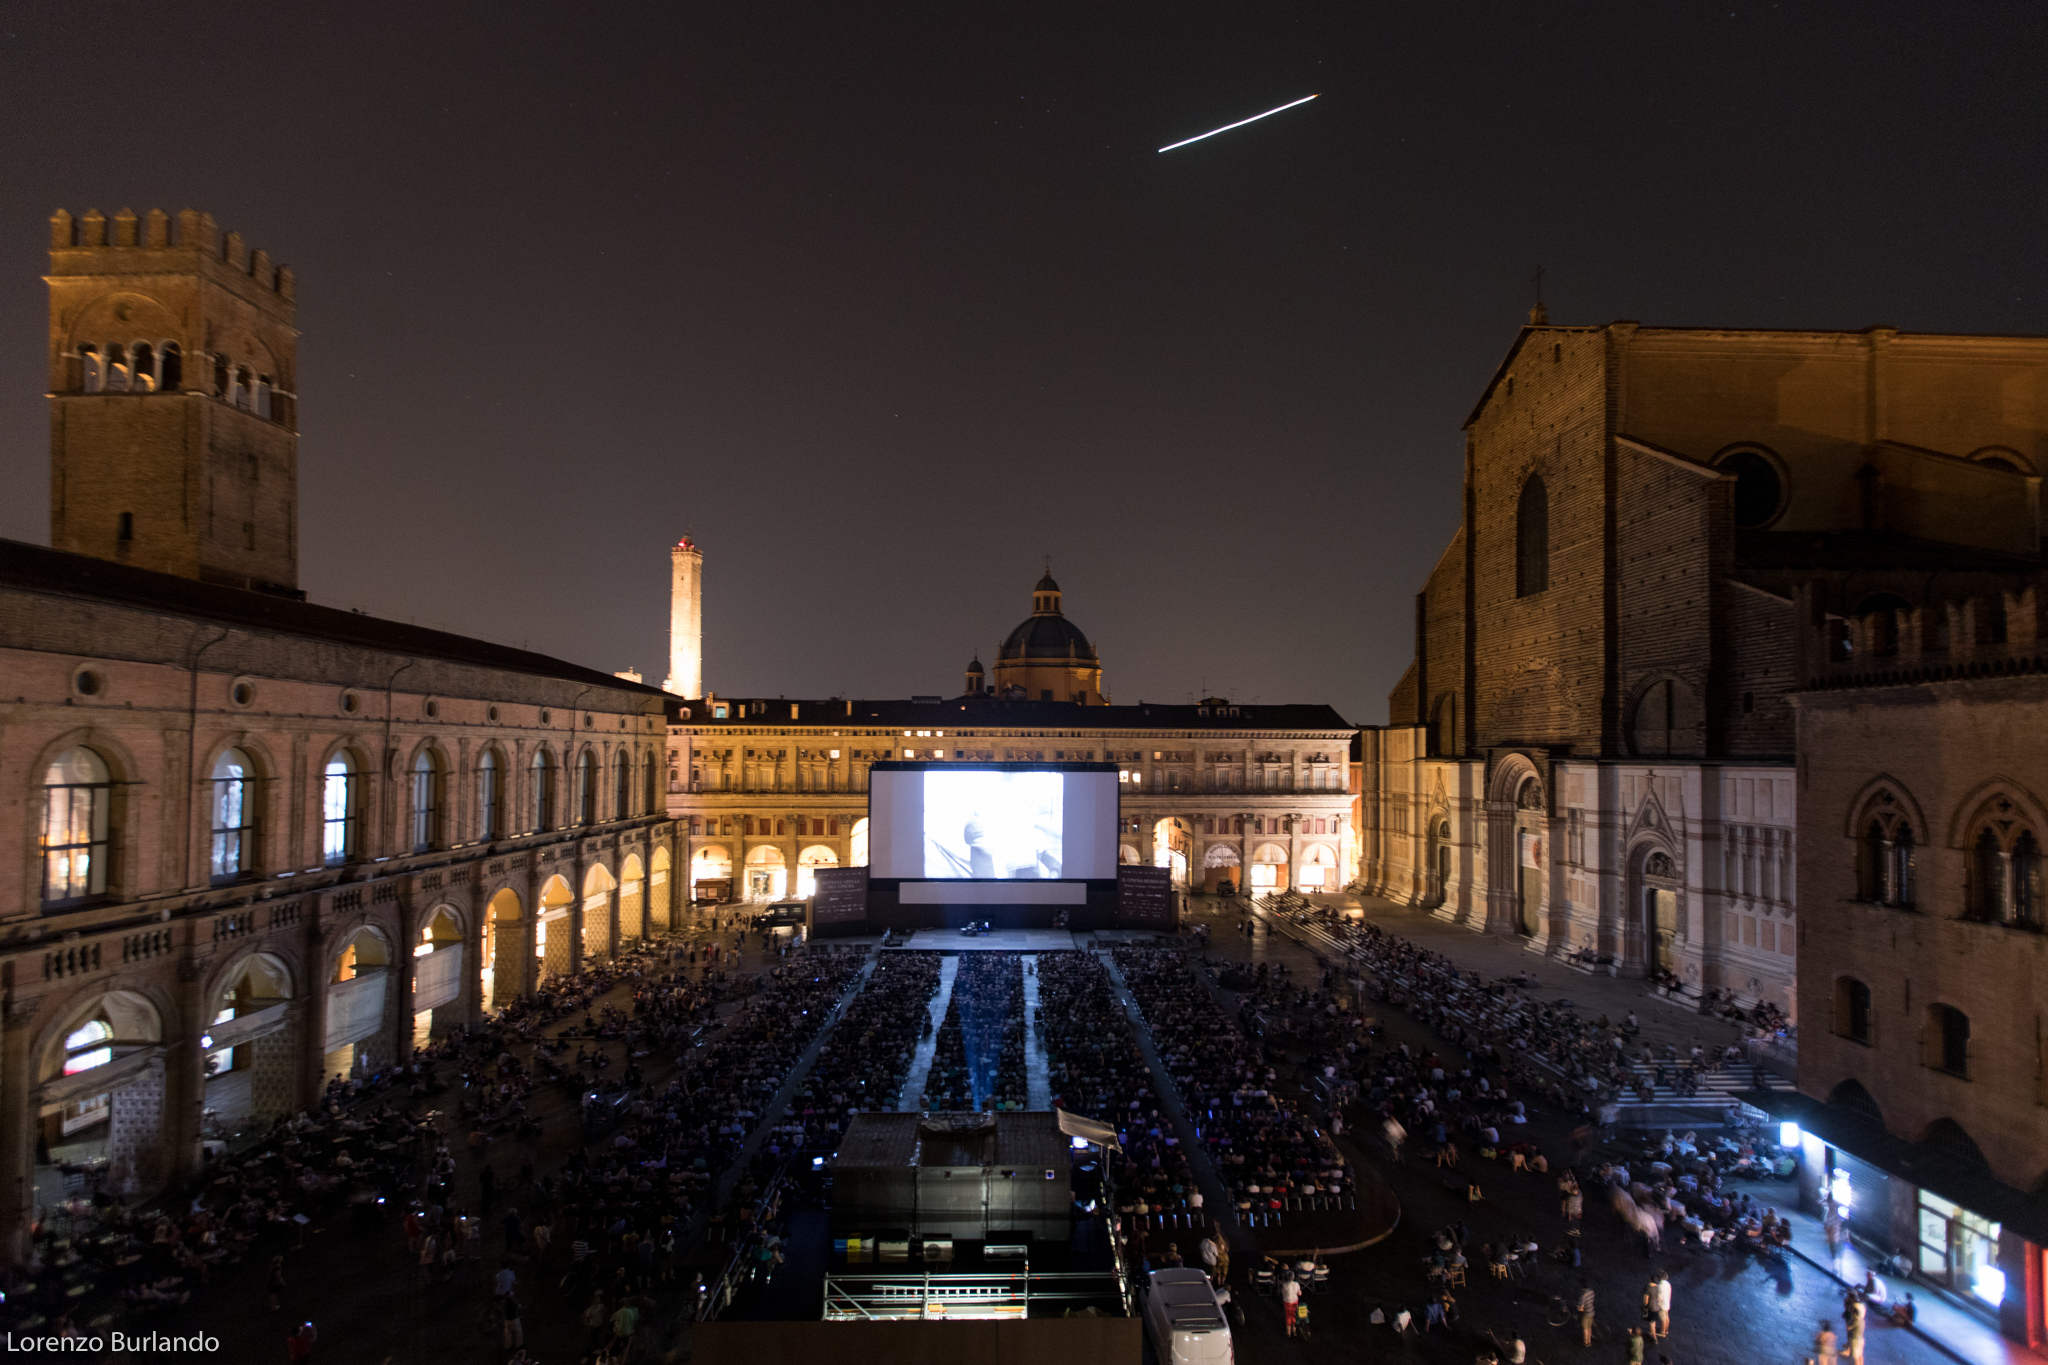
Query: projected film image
pixel 999 826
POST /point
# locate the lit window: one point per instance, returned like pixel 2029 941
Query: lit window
pixel 340 817
pixel 78 793
pixel 835 753
pixel 910 753
pixel 234 815
pixel 426 800
pixel 487 795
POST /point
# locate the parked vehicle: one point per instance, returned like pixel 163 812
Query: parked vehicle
pixel 1185 1320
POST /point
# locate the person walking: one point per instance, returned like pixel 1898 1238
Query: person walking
pixel 1853 1314
pixel 1662 1287
pixel 1290 1300
pixel 1824 1344
pixel 1636 1346
pixel 1586 1310
pixel 625 1322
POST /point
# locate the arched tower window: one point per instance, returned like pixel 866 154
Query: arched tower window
pixel 234 816
pixel 2005 875
pixel 92 371
pixel 1532 539
pixel 78 798
pixel 173 367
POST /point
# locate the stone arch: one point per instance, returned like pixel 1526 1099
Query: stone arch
pixel 553 941
pixel 498 965
pixel 767 873
pixel 1269 870
pixel 660 889
pixel 1127 855
pixel 1318 870
pixel 807 863
pixel 100 1083
pixel 598 885
pixel 632 898
pixel 857 844
pixel 356 973
pixel 1851 1097
pixel 1950 1138
pixel 1662 717
pixel 252 1063
pixel 1974 808
pixel 1901 806
pixel 711 873
pixel 1173 840
pixel 436 954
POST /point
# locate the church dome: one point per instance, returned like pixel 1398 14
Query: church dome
pixel 1045 636
pixel 1046 584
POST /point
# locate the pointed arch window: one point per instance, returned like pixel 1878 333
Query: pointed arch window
pixel 2005 885
pixel 1532 539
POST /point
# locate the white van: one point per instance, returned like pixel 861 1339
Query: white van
pixel 1186 1321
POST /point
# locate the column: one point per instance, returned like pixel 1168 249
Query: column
pixel 17 1134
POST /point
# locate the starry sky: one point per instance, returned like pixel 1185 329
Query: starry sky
pixel 885 304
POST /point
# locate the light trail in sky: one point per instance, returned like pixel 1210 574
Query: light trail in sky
pixel 1241 122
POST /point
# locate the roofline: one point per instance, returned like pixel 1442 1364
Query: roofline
pixel 1672 457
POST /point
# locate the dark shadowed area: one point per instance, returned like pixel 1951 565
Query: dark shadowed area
pixel 886 304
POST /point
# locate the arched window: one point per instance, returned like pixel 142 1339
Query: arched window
pixel 426 800
pixel 1852 1009
pixel 174 367
pixel 1532 539
pixel 78 796
pixel 262 395
pixel 92 370
pixel 487 819
pixel 543 790
pixel 1886 850
pixel 586 789
pixel 622 786
pixel 648 778
pixel 341 811
pixel 1877 619
pixel 2005 869
pixel 234 816
pixel 89 1045
pixel 1948 1040
pixel 239 395
pixel 145 367
pixel 117 368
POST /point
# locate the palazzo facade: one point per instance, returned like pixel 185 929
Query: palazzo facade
pixel 260 842
pixel 1253 797
pixel 1594 746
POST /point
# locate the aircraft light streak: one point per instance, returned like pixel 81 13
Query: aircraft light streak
pixel 1241 122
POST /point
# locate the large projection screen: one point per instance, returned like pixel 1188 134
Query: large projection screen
pixel 1002 824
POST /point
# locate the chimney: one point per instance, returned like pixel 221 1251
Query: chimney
pixel 686 620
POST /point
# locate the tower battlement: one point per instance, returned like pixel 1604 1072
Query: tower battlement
pixel 94 244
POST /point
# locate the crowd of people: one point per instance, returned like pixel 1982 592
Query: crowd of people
pixel 863 1063
pixel 1097 1069
pixel 979 1061
pixel 1267 1152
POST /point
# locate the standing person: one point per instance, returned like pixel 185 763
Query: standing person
pixel 594 1318
pixel 625 1322
pixel 274 1285
pixel 1586 1310
pixel 515 1330
pixel 1662 1287
pixel 1290 1300
pixel 298 1345
pixel 1852 1317
pixel 1824 1349
pixel 1636 1346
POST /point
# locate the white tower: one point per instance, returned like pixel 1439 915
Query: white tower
pixel 686 620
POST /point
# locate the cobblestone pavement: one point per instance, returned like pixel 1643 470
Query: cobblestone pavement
pixel 1728 1309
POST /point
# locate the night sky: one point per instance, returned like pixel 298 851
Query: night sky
pixel 884 304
